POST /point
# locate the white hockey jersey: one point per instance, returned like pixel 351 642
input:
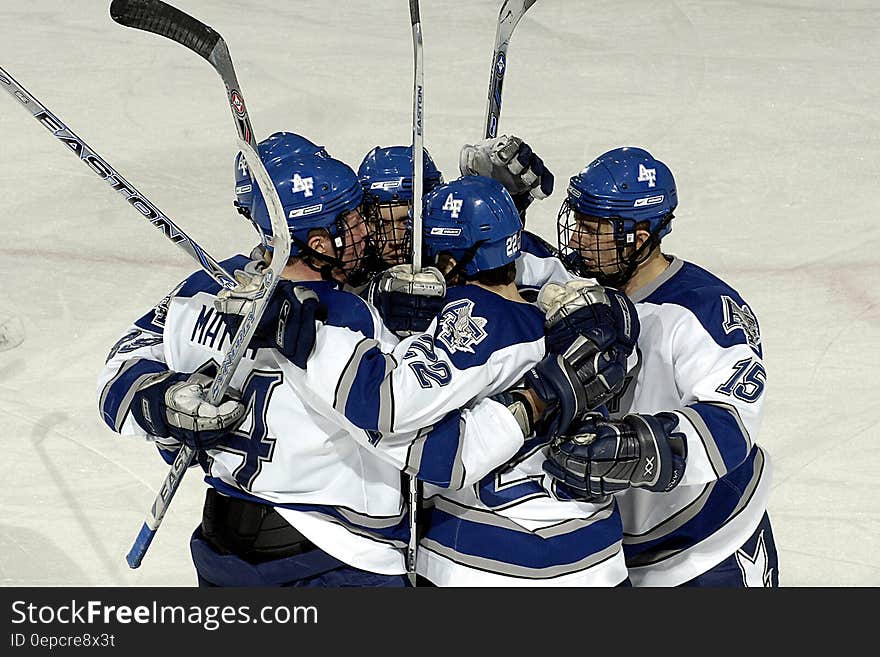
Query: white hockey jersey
pixel 337 483
pixel 700 356
pixel 508 528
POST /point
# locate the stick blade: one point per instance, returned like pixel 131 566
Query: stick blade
pixel 161 18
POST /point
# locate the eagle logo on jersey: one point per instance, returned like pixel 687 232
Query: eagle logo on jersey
pixel 458 329
pixel 160 312
pixel 741 317
pixel 132 341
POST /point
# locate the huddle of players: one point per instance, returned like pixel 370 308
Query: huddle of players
pixel 551 448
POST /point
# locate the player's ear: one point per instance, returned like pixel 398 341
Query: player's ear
pixel 319 241
pixel 642 236
pixel 445 263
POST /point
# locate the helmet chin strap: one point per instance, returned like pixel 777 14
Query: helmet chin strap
pixel 459 267
pixel 317 262
pixel 627 266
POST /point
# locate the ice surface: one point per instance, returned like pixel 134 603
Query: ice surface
pixel 766 111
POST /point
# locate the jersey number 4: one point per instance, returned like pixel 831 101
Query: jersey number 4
pixel 747 382
pixel 254 443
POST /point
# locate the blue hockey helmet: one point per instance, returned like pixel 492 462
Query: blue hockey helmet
pixel 275 146
pixel 627 184
pixel 386 174
pixel 315 192
pixel 475 220
pixel 629 188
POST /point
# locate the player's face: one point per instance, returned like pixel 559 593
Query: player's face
pixel 356 240
pixel 393 220
pixel 593 239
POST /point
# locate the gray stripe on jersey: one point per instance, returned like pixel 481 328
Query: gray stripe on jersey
pixel 415 451
pixel 675 522
pixel 643 293
pixel 370 522
pixel 357 531
pixel 123 368
pixel 122 412
pixel 456 477
pixel 659 555
pixel 386 398
pixel 708 438
pixel 346 379
pixel 484 517
pixel 513 570
pixel 736 416
pixel 705 434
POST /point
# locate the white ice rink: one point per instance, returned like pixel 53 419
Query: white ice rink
pixel 765 110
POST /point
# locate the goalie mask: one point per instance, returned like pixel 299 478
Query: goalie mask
pixel 619 192
pixel 386 175
pixel 318 193
pixel 474 220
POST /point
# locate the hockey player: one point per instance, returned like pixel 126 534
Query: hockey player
pixel 387 393
pixel 508 529
pixel 331 493
pixel 295 498
pixel 386 175
pixel 407 301
pixel 700 361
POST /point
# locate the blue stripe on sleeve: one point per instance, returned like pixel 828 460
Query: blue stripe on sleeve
pixel 118 396
pixel 363 403
pixel 727 434
pixel 439 455
pixel 728 495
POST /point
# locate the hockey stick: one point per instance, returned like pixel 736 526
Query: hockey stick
pixel 162 19
pixel 106 172
pixel 511 13
pixel 418 149
pixel 418 135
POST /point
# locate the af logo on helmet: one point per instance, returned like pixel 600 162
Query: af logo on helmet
pixel 305 185
pixel 453 205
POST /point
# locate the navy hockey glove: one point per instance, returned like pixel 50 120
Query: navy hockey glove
pixel 287 324
pixel 599 456
pixel 510 161
pixel 174 404
pixel 596 329
pixel 408 302
pixel 557 382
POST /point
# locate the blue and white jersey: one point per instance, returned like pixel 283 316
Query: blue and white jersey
pixel 337 485
pixel 507 528
pixel 700 356
pixel 538 264
pixel 480 344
